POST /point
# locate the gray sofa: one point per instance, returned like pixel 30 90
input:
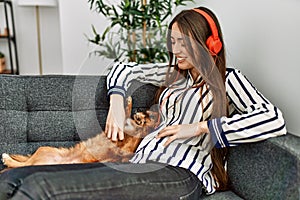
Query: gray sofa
pixel 60 110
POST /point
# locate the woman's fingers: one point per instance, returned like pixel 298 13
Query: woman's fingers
pixel 182 131
pixel 114 132
pixel 121 135
pixel 168 131
pixel 170 139
pixel 117 134
pixel 107 131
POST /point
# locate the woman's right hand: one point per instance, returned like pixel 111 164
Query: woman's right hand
pixel 114 128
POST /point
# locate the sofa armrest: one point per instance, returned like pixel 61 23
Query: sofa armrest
pixel 266 170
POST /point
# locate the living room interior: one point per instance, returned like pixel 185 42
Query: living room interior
pixel 260 37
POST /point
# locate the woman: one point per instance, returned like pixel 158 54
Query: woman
pixel 204 109
pixel 198 102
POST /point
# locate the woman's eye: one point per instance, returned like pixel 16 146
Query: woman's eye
pixel 182 44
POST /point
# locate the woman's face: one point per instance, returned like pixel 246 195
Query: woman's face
pixel 179 50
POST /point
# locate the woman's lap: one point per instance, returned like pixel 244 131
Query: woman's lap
pixel 101 181
pixel 12 179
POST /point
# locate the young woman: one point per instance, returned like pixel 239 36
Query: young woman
pixel 204 108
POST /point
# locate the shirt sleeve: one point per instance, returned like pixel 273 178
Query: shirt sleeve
pixel 121 75
pixel 256 119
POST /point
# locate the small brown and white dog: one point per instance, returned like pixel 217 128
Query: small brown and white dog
pixel 95 149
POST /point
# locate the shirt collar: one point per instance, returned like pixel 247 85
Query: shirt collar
pixel 190 80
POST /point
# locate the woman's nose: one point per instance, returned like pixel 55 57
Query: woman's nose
pixel 176 48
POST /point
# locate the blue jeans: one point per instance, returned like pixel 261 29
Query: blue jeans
pixel 100 181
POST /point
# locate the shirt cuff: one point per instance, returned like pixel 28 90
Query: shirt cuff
pixel 116 90
pixel 217 134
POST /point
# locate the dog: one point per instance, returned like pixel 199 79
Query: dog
pixel 96 149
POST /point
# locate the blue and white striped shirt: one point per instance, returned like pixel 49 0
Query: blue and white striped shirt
pixel 251 117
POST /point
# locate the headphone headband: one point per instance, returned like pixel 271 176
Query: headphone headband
pixel 213 42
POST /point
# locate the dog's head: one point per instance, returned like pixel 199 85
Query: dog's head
pixel 142 123
pixel 148 118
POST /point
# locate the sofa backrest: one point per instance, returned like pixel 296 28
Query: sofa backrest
pixel 58 107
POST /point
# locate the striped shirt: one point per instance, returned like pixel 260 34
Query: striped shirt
pixel 251 117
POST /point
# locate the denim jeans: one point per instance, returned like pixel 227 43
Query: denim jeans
pixel 100 181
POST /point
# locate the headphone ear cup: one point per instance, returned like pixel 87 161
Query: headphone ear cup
pixel 214 45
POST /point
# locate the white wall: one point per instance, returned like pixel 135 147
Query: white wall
pixel 76 26
pixel 26 36
pixel 261 39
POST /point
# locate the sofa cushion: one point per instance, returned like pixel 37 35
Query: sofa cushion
pixel 13 126
pixel 59 107
pixel 266 170
pixel 12 93
pixel 13 109
pixel 228 195
pixel 54 105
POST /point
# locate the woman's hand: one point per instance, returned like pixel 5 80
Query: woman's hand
pixel 116 118
pixel 183 131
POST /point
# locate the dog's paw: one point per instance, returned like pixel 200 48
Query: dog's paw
pixel 5 156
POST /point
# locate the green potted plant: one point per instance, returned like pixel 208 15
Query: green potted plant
pixel 137 31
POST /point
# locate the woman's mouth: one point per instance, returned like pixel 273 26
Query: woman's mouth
pixel 180 59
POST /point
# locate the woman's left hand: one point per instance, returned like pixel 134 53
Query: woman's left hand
pixel 183 131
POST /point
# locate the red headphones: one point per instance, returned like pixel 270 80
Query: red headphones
pixel 213 42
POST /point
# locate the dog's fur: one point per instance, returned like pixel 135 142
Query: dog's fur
pixel 96 149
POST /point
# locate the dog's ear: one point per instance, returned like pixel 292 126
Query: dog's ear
pixel 152 114
pixel 153 117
